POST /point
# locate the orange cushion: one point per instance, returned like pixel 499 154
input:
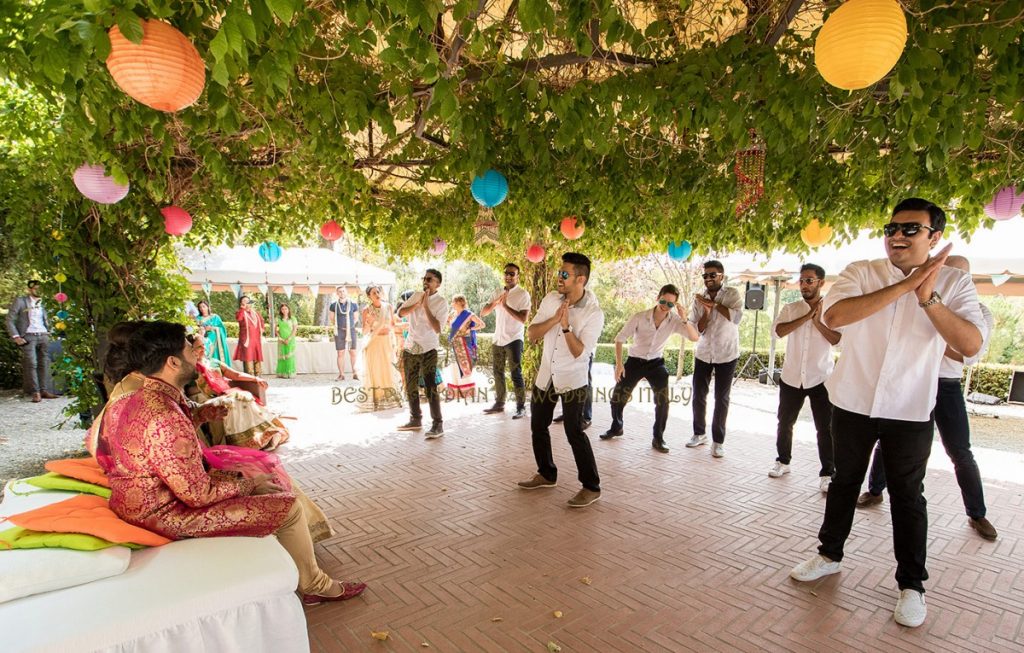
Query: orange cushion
pixel 84 469
pixel 89 514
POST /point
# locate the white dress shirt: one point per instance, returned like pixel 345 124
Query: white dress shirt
pixel 954 369
pixel 889 366
pixel 35 316
pixel 808 354
pixel 506 328
pixel 649 340
pixel 720 342
pixel 557 364
pixel 422 337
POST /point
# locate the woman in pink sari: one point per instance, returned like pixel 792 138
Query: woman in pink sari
pixel 250 337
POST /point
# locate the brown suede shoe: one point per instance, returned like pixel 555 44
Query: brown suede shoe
pixel 985 529
pixel 48 395
pixel 36 398
pixel 867 499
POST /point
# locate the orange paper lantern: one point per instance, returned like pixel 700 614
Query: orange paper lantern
pixel 860 43
pixel 535 253
pixel 816 234
pixel 571 228
pixel 164 72
pixel 331 231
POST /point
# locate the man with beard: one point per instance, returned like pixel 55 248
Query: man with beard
pixel 717 313
pixel 511 306
pixel 808 363
pixel 426 311
pixel 897 315
pixel 28 327
pixel 147 446
pixel 650 330
pixel 568 322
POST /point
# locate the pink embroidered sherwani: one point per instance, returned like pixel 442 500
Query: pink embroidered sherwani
pixel 149 450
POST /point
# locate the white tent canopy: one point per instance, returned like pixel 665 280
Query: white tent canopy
pixel 299 267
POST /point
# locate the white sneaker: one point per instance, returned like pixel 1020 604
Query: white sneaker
pixel 697 440
pixel 817 567
pixel 779 470
pixel 717 449
pixel 910 609
pixel 823 483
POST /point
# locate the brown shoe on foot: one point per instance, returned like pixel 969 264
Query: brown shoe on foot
pixel 984 528
pixel 48 395
pixel 36 398
pixel 536 482
pixel 584 498
pixel 867 499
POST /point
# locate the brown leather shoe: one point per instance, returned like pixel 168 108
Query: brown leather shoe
pixel 867 499
pixel 984 528
pixel 48 395
pixel 348 591
pixel 36 398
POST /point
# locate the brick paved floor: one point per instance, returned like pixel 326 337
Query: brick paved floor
pixel 683 552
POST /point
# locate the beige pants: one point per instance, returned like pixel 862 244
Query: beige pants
pixel 293 534
pixel 253 367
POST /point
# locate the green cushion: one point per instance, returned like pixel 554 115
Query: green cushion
pixel 51 481
pixel 22 538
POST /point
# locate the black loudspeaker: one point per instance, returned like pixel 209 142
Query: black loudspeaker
pixel 1017 388
pixel 754 300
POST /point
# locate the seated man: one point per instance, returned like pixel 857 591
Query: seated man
pixel 147 445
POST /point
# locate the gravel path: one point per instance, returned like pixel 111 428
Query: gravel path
pixel 31 434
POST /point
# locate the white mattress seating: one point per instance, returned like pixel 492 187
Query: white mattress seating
pixel 218 594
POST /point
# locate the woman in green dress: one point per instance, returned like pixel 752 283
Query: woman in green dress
pixel 286 328
pixel 214 333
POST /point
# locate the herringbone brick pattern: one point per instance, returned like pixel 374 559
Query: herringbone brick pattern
pixel 682 553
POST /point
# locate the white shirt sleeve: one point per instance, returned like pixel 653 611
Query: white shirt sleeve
pixel 547 308
pixel 849 284
pixel 524 303
pixel 784 316
pixel 986 335
pixel 440 310
pixel 732 300
pixel 629 329
pixel 590 332
pixel 964 303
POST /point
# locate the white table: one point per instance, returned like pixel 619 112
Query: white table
pixel 310 357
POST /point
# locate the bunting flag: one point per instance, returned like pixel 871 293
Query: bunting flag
pixel 288 290
pixel 263 288
pixel 237 289
pixel 1000 279
pixel 314 289
pixel 207 287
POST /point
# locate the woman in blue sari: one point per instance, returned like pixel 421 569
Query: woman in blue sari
pixel 462 340
pixel 215 334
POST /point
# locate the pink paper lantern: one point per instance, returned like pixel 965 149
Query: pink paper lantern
pixel 177 221
pixel 438 247
pixel 1006 204
pixel 331 231
pixel 60 297
pixel 535 253
pixel 571 228
pixel 94 182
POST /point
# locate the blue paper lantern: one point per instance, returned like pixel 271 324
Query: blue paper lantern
pixel 62 315
pixel 270 251
pixel 679 251
pixel 490 190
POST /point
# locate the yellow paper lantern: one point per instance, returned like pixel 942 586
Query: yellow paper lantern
pixel 60 277
pixel 56 234
pixel 815 234
pixel 860 43
pixel 164 72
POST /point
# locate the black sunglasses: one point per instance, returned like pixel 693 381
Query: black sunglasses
pixel 908 228
pixel 665 302
pixel 711 275
pixel 563 275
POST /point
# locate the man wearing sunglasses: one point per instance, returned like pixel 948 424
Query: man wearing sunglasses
pixel 568 322
pixel 717 313
pixel 426 311
pixel 650 330
pixel 511 306
pixel 808 363
pixel 897 316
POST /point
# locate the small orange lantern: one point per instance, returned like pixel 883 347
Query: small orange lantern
pixel 164 72
pixel 571 228
pixel 815 234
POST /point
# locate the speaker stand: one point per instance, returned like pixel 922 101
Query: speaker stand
pixel 754 360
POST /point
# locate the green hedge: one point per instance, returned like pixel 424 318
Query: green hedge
pixel 304 331
pixel 10 363
pixel 992 380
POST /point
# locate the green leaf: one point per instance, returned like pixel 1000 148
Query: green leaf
pixel 130 26
pixel 220 72
pixel 283 9
pixel 219 46
pixel 92 6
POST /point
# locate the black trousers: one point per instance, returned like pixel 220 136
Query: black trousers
pixel 514 352
pixel 542 408
pixel 723 385
pixel 791 401
pixel 905 450
pixel 657 375
pixel 955 432
pixel 416 367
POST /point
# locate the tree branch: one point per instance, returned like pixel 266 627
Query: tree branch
pixel 782 24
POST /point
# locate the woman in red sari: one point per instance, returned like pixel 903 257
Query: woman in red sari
pixel 250 337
